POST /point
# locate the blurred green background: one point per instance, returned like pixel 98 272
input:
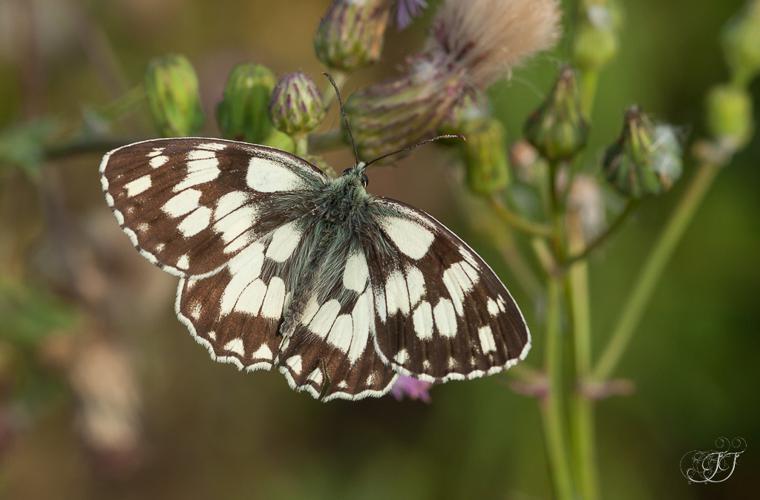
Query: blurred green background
pixel 196 429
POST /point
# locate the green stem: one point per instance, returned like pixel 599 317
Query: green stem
pixel 597 242
pixel 589 81
pixel 516 221
pixel 551 407
pixel 302 144
pixel 581 407
pixel 655 264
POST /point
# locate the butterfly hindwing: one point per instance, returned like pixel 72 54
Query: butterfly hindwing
pixel 191 204
pixel 442 313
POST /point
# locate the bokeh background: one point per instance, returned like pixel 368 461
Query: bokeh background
pixel 104 395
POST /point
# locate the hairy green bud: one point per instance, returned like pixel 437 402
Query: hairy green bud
pixel 741 43
pixel 485 157
pixel 729 115
pixel 557 129
pixel 243 112
pixel 350 35
pixel 171 86
pixel 296 106
pixel 647 159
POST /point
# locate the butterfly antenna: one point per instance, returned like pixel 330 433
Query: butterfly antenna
pixel 415 146
pixel 344 117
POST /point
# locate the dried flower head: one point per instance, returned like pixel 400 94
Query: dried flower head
pixel 490 37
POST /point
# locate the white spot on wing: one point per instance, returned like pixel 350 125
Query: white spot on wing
pixel 356 272
pixel 138 186
pixel 229 202
pixel 183 262
pixel 312 306
pixel 361 316
pixel 249 301
pixel 236 346
pixel 199 172
pixel 324 318
pixel 182 203
pixel 341 333
pixel 415 281
pixel 401 357
pixel 315 376
pixel 244 268
pixel 158 161
pixel 445 318
pixel 396 294
pixel 423 321
pixel 487 342
pixel 272 307
pixel 493 308
pixel 284 240
pixel 411 238
pixel 268 176
pixel 263 352
pixel 213 146
pixel 294 362
pixel 196 222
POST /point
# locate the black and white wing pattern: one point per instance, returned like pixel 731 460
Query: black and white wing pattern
pixel 441 312
pixel 191 204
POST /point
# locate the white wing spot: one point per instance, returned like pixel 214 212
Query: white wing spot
pixel 229 203
pixel 268 176
pixel 236 346
pixel 325 318
pixel 263 352
pixel 250 300
pixel 315 376
pixel 341 333
pixel 487 342
pixel 361 316
pixel 138 186
pixel 199 172
pixel 401 357
pixel 294 362
pixel 356 272
pixel 493 307
pixel 380 304
pixel 502 305
pixel 411 238
pixel 158 161
pixel 445 318
pixel 182 203
pixel 212 335
pixel 415 281
pixel 213 146
pixel 183 262
pixel 195 311
pixel 272 307
pixel 312 306
pixel 396 294
pixel 155 152
pixel 196 222
pixel 284 240
pixel 423 321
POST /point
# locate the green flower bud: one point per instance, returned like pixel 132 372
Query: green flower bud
pixel 296 106
pixel 558 129
pixel 593 47
pixel 647 158
pixel 729 115
pixel 350 36
pixel 485 157
pixel 741 43
pixel 243 113
pixel 173 99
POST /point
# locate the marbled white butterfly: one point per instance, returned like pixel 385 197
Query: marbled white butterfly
pixel 283 267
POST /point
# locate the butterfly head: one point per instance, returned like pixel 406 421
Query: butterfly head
pixel 358 174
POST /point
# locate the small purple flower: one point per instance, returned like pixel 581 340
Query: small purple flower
pixel 411 388
pixel 407 10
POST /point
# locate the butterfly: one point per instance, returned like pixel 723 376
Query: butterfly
pixel 282 267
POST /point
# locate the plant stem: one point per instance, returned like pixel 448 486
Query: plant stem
pixel 551 407
pixel 302 144
pixel 597 242
pixel 655 264
pixel 328 94
pixel 581 407
pixel 516 221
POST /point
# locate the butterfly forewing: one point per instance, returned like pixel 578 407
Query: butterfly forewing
pixel 190 204
pixel 442 313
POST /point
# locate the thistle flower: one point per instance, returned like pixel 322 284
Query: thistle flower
pixel 407 10
pixel 350 35
pixel 471 45
pixel 171 87
pixel 296 106
pixel 412 388
pixel 741 43
pixel 729 115
pixel 646 159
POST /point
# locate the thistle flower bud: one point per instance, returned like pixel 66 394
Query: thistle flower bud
pixel 296 106
pixel 350 36
pixel 646 159
pixel 596 39
pixel 557 129
pixel 729 115
pixel 741 43
pixel 485 157
pixel 471 45
pixel 171 87
pixel 243 113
